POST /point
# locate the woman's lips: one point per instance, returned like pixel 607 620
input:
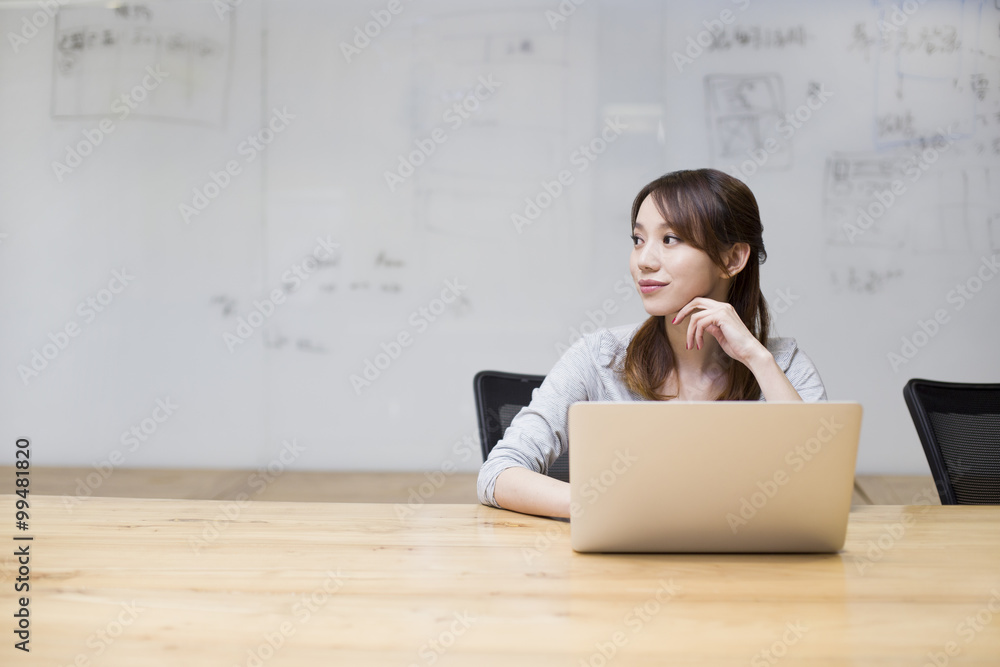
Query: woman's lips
pixel 649 286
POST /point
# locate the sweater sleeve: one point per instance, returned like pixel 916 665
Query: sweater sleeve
pixel 805 378
pixel 537 435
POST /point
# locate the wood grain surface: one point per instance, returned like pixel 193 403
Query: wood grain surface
pixel 141 582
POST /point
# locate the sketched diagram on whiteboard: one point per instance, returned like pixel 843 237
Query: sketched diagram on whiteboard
pixel 904 202
pixel 925 58
pixel 743 113
pixel 904 205
pixel 162 61
pixel 858 201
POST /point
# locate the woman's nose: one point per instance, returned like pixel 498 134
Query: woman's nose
pixel 648 259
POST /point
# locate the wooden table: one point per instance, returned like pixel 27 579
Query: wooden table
pixel 134 582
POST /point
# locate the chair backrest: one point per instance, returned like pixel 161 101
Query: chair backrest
pixel 959 428
pixel 499 397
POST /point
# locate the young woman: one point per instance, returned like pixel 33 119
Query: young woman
pixel 696 249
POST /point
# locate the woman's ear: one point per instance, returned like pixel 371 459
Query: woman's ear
pixel 736 258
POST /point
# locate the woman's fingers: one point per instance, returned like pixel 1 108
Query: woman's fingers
pixel 706 315
pixel 699 330
pixel 695 326
pixel 720 320
pixel 716 331
pixel 697 302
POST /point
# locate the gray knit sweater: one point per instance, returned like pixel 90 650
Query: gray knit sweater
pixel 588 371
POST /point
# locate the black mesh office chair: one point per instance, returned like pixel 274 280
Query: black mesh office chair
pixel 499 397
pixel 959 427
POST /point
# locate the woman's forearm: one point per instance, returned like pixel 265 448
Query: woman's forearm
pixel 774 385
pixel 529 492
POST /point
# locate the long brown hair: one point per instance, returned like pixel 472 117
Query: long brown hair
pixel 711 211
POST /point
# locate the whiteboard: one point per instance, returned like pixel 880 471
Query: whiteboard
pixel 240 233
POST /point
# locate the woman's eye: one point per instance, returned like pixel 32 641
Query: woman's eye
pixel 669 237
pixel 635 239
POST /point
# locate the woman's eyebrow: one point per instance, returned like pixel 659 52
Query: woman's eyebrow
pixel 639 225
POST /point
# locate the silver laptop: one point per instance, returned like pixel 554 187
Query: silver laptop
pixel 711 476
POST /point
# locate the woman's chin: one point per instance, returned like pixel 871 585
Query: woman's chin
pixel 658 311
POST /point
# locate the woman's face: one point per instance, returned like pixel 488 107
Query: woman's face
pixel 676 271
